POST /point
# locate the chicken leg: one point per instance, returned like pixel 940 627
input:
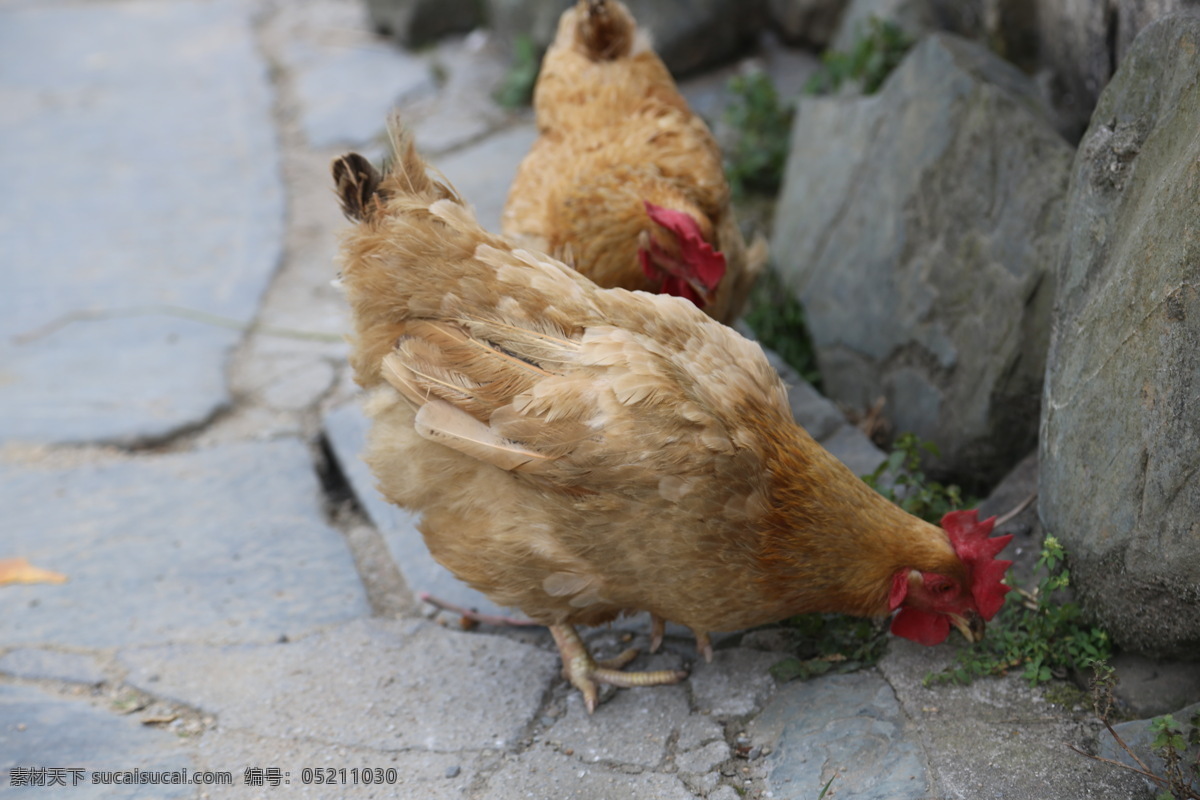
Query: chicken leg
pixel 584 672
pixel 658 628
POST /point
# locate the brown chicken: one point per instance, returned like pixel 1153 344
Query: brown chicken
pixel 581 453
pixel 625 183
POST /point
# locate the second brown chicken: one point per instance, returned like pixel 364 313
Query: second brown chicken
pixel 625 183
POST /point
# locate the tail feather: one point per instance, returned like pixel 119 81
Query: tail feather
pixel 606 29
pixel 355 183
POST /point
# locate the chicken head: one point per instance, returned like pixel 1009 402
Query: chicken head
pixel 930 603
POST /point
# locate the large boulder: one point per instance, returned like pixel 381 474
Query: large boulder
pixel 1007 27
pixel 805 22
pixel 919 228
pixel 1083 41
pixel 1120 444
pixel 416 23
pixel 914 17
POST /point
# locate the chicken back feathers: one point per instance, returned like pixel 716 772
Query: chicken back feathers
pixel 580 453
pixel 618 141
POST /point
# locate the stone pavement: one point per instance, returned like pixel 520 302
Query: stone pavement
pixel 179 437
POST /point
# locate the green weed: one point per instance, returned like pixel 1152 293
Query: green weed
pixel 763 125
pixel 901 480
pixel 868 62
pixel 830 643
pixel 1033 632
pixel 516 90
pixel 777 319
pixel 1171 746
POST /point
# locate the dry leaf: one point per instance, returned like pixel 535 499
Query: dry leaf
pixel 18 570
pixel 160 720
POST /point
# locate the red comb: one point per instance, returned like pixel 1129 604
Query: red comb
pixel 970 539
pixel 708 265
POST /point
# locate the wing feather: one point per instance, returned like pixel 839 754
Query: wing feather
pixel 445 424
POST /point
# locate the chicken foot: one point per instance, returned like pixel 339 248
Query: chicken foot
pixel 584 672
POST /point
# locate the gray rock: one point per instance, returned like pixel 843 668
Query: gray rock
pixel 914 17
pixel 996 737
pixel 654 712
pixel 689 35
pixel 1082 43
pixel 372 683
pixel 463 111
pixel 704 759
pixel 990 19
pixel 704 785
pixel 708 93
pixel 287 381
pixel 347 92
pixel 484 171
pixel 697 731
pixel 415 23
pixel 1138 736
pixel 222 545
pixel 166 178
pixel 418 773
pixel 540 772
pixel 123 379
pixel 806 22
pixel 1026 547
pixel 42 730
pixel 53 665
pixel 1120 444
pixel 852 447
pixel 1008 28
pixel 346 429
pixel 537 19
pixel 919 227
pixel 736 683
pixel 848 728
pixel 724 793
pixel 1149 687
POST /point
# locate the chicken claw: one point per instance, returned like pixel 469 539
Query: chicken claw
pixel 584 672
pixel 658 627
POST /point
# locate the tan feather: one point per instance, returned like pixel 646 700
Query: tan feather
pixel 398 376
pixel 441 422
pixel 563 584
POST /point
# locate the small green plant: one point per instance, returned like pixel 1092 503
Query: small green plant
pixel 1034 633
pixel 868 62
pixel 1171 746
pixel 763 124
pixel 516 89
pixel 777 319
pixel 901 480
pixel 830 643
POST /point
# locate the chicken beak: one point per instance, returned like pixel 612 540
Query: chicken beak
pixel 971 626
